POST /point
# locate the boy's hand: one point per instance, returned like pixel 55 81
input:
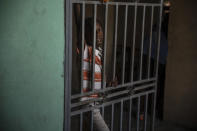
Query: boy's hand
pixel 113 82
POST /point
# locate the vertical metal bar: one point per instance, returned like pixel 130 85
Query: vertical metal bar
pixel 159 39
pixel 150 45
pixel 138 114
pixel 82 47
pixel 81 121
pixel 157 64
pixel 105 44
pixel 125 40
pixel 112 118
pixel 67 64
pixel 130 111
pixel 146 108
pixel 121 115
pixel 92 118
pixel 103 111
pixel 94 45
pixel 142 42
pixel 115 42
pixel 133 47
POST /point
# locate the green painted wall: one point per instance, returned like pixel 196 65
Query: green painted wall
pixel 31 65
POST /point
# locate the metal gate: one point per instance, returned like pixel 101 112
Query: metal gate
pixel 134 26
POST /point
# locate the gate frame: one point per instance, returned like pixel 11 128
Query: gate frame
pixel 68 63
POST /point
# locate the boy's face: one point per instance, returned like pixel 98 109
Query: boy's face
pixel 99 35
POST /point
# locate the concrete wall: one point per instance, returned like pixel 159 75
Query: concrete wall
pixel 181 80
pixel 31 65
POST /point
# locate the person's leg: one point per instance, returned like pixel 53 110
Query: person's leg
pixel 98 122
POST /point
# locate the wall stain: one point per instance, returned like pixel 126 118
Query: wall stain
pixel 39 9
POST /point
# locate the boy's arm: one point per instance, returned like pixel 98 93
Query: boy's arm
pixel 112 83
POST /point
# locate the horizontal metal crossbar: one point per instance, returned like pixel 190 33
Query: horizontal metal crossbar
pixel 117 3
pixel 108 97
pixel 111 102
pixel 114 88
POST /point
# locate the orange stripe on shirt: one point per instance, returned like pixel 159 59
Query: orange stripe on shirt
pixel 86 75
pixel 97 60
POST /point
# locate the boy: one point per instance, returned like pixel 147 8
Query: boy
pixel 98 121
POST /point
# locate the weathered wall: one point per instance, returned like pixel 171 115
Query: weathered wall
pixel 31 65
pixel 181 80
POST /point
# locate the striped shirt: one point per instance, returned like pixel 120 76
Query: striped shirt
pixel 87 72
